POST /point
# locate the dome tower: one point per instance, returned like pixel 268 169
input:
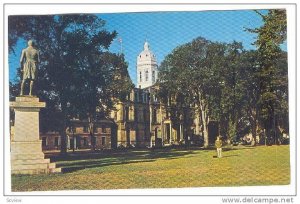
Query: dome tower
pixel 146 68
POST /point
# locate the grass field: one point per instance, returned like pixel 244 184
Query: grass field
pixel 240 166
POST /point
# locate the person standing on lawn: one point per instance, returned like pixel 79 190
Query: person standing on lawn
pixel 218 144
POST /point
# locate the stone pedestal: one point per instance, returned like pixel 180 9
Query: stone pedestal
pixel 26 147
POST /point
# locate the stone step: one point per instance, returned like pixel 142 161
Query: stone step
pixel 55 170
pixel 18 156
pixel 30 171
pixel 35 169
pixel 51 165
pixel 30 161
pixel 29 166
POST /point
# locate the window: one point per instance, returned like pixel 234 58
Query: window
pixel 146 75
pixel 73 129
pixel 147 97
pixel 153 76
pixel 140 77
pixel 85 129
pixel 145 115
pixel 103 129
pixel 141 97
pixel 56 141
pixel 103 141
pixel 154 98
pixel 136 114
pixel 126 113
pixel 44 141
pixel 154 116
pixel 85 141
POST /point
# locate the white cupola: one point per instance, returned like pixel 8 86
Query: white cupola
pixel 146 68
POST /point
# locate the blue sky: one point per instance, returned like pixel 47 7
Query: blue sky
pixel 166 30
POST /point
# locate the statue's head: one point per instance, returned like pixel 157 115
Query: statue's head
pixel 30 43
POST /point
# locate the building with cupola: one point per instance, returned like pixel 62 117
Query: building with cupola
pixel 139 121
pixel 143 120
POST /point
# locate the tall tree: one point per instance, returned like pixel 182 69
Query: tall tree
pixel 190 75
pixel 76 68
pixel 250 89
pixel 231 89
pixel 272 74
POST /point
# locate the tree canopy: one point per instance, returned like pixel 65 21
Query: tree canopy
pixel 77 72
pixel 244 90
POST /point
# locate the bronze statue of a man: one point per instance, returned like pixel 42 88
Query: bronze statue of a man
pixel 29 65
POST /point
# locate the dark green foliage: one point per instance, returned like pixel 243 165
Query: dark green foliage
pixel 76 73
pixel 243 90
pixel 272 73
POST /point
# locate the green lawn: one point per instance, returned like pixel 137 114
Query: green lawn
pixel 240 166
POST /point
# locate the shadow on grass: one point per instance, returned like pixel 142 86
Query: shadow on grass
pixel 228 148
pixel 235 155
pixel 87 165
pixel 75 161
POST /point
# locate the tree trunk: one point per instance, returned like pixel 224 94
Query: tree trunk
pixel 202 106
pixel 63 134
pixel 205 135
pixel 254 125
pixel 91 130
pixel 254 131
pixel 63 138
pixel 204 121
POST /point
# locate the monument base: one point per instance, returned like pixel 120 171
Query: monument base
pixel 27 156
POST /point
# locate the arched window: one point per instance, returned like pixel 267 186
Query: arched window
pixel 146 75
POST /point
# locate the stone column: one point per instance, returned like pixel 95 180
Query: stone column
pixel 180 131
pixel 171 135
pixel 74 142
pixel 26 147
